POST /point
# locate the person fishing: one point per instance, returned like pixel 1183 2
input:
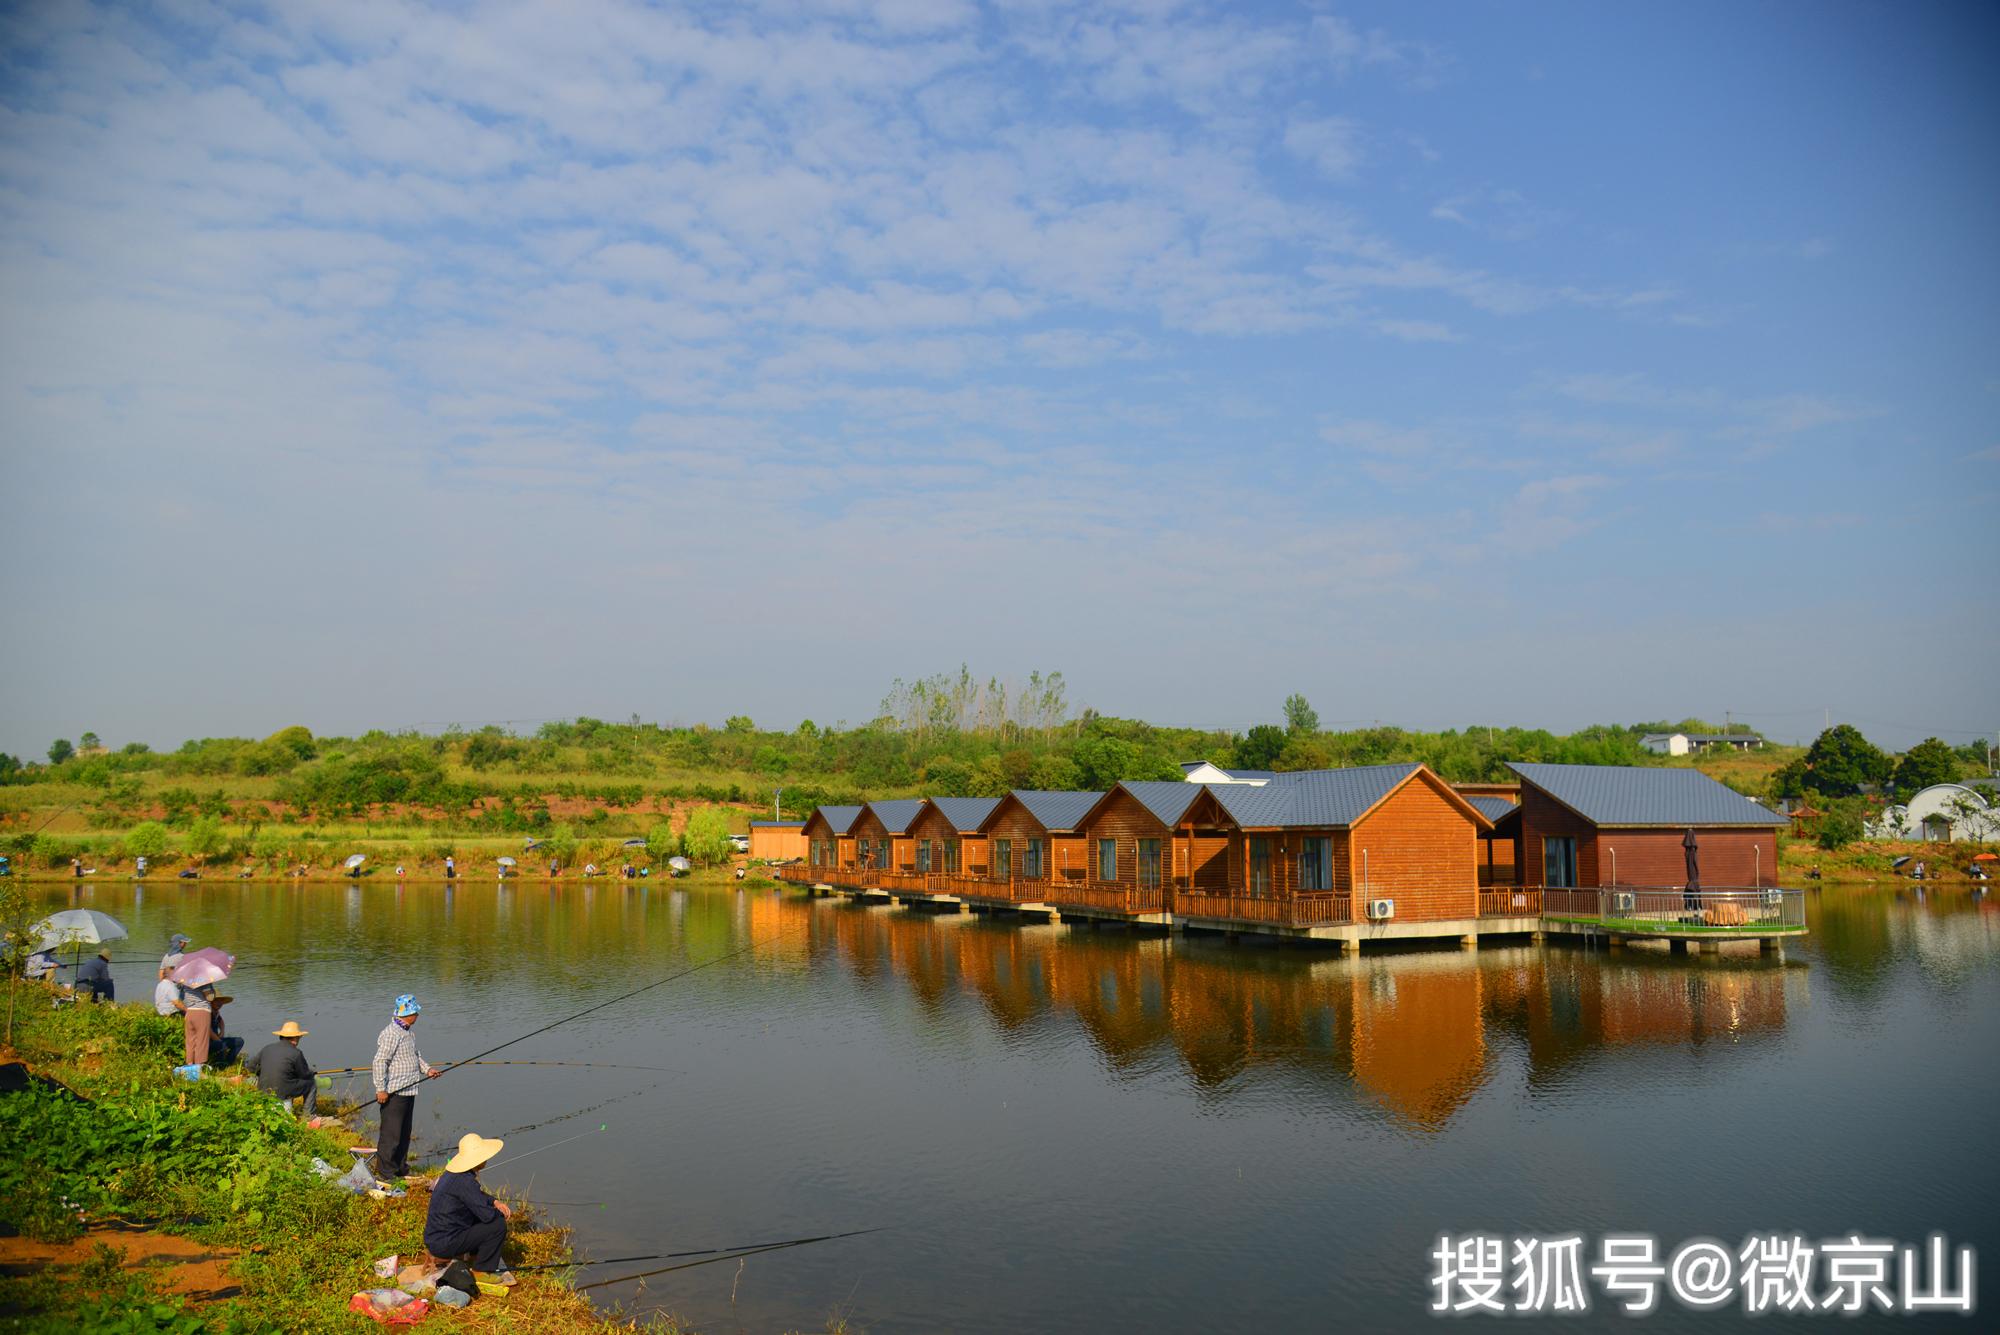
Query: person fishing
pixel 399 1068
pixel 282 1069
pixel 223 1049
pixel 177 945
pixel 464 1222
pixel 167 992
pixel 94 976
pixel 198 1013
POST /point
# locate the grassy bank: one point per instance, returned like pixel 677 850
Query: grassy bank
pixel 122 1143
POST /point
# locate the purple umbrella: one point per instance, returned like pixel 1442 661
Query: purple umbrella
pixel 204 967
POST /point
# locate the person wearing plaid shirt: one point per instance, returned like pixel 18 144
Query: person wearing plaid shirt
pixel 399 1069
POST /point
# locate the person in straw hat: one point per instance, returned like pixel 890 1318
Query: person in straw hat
pixel 282 1069
pixel 465 1222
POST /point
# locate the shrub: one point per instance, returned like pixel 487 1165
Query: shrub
pixel 205 838
pixel 147 839
pixel 707 837
pixel 662 843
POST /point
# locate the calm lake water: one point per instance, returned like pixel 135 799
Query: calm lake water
pixel 1067 1130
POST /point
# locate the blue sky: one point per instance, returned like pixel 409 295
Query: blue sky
pixel 384 365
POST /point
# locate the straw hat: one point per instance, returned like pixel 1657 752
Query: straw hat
pixel 291 1030
pixel 473 1150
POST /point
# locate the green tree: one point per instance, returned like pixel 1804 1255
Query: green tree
pixel 88 741
pixel 1839 826
pixel 946 777
pixel 738 723
pixel 1102 761
pixel 1260 747
pixel 1929 761
pixel 296 739
pixel 560 843
pixel 1054 773
pixel 147 839
pixel 1841 763
pixel 17 941
pixel 204 837
pixel 1299 716
pixel 707 836
pixel 662 843
pixel 60 750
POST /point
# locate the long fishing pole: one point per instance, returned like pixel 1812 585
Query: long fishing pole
pixel 675 1256
pixel 592 1010
pixel 607 1066
pixel 726 1256
pixel 603 1126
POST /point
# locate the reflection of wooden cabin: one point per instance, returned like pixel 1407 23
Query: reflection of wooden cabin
pixel 882 834
pixel 829 833
pixel 1498 846
pixel 1419 1042
pixel 1602 825
pixel 946 835
pixel 1031 836
pixel 778 840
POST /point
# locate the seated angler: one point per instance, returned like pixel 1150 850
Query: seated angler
pixel 464 1222
pixel 283 1070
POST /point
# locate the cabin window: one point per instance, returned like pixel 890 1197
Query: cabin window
pixel 1031 860
pixel 923 855
pixel 1003 858
pixel 950 856
pixel 1260 866
pixel 1107 859
pixel 1316 864
pixel 1559 863
pixel 1149 862
pixel 864 852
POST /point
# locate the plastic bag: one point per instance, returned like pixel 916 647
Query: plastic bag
pixel 450 1297
pixel 391 1307
pixel 358 1178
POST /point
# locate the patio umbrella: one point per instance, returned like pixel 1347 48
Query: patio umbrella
pixel 1691 898
pixel 678 864
pixel 355 861
pixel 1899 862
pixel 77 928
pixel 1986 857
pixel 506 862
pixel 204 967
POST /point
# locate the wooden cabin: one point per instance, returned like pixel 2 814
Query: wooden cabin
pixel 1031 836
pixel 829 834
pixel 1145 839
pixel 946 837
pixel 1585 826
pixel 882 835
pixel 778 840
pixel 1324 846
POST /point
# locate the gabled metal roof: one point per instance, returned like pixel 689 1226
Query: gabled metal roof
pixel 1167 799
pixel 1493 808
pixel 965 813
pixel 1053 810
pixel 897 813
pixel 1625 795
pixel 1319 796
pixel 840 818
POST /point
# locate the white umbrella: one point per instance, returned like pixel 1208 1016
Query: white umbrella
pixel 506 862
pixel 679 864
pixel 355 861
pixel 78 927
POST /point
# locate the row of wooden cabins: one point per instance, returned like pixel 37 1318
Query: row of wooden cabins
pixel 1369 852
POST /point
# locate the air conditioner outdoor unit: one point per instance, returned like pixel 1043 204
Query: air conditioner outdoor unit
pixel 1623 901
pixel 1381 909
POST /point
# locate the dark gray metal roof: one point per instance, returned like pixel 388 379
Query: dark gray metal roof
pixel 1493 808
pixel 1054 810
pixel 1167 799
pixel 1642 795
pixel 841 818
pixel 1313 797
pixel 897 813
pixel 965 813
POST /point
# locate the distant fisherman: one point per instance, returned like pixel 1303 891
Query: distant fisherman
pixel 399 1069
pixel 463 1220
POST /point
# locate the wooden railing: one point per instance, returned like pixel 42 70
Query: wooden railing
pixel 1510 901
pixel 1722 906
pixel 1306 908
pixel 1105 896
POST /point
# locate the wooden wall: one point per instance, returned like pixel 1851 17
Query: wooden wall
pixel 1421 850
pixel 817 831
pixel 1544 817
pixel 1655 856
pixel 778 842
pixel 1123 818
pixel 1012 821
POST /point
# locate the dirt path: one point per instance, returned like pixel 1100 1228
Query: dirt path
pixel 197 1272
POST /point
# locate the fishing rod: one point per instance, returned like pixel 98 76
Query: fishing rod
pixel 607 1066
pixel 730 1255
pixel 592 1010
pixel 705 1251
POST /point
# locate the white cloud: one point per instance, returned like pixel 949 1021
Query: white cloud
pixel 1331 143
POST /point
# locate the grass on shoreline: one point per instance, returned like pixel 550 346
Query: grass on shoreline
pixel 221 1163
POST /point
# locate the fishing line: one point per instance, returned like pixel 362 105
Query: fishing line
pixel 727 1256
pixel 608 1066
pixel 539 1148
pixel 623 996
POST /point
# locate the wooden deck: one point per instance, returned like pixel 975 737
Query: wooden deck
pixel 1765 914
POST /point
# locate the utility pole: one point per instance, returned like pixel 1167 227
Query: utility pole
pixel 777 804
